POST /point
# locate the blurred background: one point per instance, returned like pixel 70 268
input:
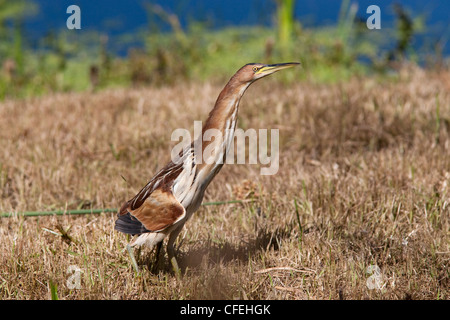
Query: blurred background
pixel 132 43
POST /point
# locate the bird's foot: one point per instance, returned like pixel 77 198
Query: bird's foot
pixel 175 267
pixel 133 259
pixel 173 261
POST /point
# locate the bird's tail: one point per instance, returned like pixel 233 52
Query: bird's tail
pixel 126 223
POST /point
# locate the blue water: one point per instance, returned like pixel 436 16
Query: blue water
pixel 124 17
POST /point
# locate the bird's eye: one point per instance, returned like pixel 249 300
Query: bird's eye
pixel 255 69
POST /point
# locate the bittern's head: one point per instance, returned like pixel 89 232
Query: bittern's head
pixel 254 71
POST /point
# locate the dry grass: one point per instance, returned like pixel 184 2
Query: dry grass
pixel 364 180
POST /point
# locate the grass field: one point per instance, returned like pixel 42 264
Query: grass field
pixel 363 183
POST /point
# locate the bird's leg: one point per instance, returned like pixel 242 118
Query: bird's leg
pixel 173 261
pixel 171 250
pixel 157 255
pixel 133 259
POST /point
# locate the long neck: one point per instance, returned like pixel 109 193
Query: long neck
pixel 226 105
pixel 218 130
pixel 215 140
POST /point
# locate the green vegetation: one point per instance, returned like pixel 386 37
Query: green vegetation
pixel 363 181
pixel 77 60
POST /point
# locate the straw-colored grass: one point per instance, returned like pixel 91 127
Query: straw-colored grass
pixel 363 181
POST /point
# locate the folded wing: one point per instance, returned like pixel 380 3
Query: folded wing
pixel 160 210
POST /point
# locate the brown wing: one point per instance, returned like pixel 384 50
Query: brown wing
pixel 159 211
pixel 154 208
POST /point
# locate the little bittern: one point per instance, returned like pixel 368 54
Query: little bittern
pixel 170 198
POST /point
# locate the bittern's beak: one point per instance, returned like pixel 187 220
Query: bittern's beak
pixel 271 68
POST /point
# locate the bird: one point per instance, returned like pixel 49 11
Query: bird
pixel 163 206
